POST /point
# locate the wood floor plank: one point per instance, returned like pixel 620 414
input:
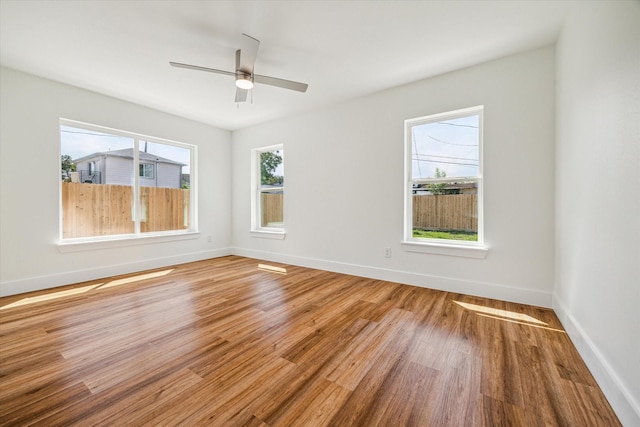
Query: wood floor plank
pixel 459 403
pixel 222 342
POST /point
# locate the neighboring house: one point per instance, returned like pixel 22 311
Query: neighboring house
pixel 448 188
pixel 114 167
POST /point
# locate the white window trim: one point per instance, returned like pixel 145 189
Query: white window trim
pixel 461 248
pixel 445 249
pixel 124 240
pixel 120 240
pixel 268 234
pixel 257 230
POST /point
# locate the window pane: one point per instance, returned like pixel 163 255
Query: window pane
pixel 270 189
pixel 447 148
pixel 446 210
pixel 94 203
pixel 271 204
pixel 271 168
pixel 146 171
pixel 164 187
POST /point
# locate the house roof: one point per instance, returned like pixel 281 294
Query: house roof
pixel 127 153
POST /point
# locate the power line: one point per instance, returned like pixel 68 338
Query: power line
pixel 451 143
pixel 442 161
pixel 415 146
pixel 446 157
pixel 93 134
pixel 457 124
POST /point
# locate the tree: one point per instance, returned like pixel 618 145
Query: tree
pixel 437 189
pixel 269 162
pixel 66 165
pixel 441 187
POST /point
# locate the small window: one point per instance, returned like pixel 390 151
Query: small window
pixel 268 189
pixel 146 170
pixel 443 194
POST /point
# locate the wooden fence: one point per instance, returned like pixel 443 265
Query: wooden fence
pixel 430 212
pixel 446 212
pixel 101 209
pixel 272 206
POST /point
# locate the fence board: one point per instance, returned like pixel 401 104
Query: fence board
pixel 272 206
pixel 102 209
pixel 446 212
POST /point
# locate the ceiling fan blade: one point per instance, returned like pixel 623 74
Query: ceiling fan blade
pixel 245 60
pixel 241 95
pixel 198 68
pixel 285 84
pixel 248 51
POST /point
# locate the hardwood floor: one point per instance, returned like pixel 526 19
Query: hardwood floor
pixel 224 343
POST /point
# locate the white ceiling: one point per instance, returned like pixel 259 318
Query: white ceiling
pixel 342 49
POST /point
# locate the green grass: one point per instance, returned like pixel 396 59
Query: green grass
pixel 449 235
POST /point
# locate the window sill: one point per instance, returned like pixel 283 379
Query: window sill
pixel 78 245
pixel 264 234
pixel 479 252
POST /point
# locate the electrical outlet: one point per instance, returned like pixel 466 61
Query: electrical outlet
pixel 387 252
pixel 210 239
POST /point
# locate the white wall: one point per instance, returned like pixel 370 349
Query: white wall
pixel 344 182
pixel 597 278
pixel 30 109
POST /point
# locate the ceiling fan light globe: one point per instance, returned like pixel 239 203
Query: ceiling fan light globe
pixel 244 82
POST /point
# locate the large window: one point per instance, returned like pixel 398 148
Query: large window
pixel 443 166
pixel 268 189
pixel 116 183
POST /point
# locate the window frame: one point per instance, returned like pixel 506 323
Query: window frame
pixel 137 237
pixel 257 230
pixel 475 249
pixel 145 167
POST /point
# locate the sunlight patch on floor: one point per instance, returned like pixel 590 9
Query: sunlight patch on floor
pixel 136 278
pixel 522 323
pixel 75 291
pixel 506 315
pixel 272 268
pixel 496 312
pixel 50 296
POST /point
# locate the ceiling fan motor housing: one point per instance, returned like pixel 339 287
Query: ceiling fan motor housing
pixel 244 80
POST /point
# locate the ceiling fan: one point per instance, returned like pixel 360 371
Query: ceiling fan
pixel 245 78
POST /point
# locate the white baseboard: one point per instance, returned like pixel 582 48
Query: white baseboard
pixel 621 400
pixel 14 287
pixel 481 289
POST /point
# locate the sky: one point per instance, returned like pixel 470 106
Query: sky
pixel 82 142
pixel 449 145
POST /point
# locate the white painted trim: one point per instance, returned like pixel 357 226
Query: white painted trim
pixel 82 245
pixel 621 400
pixel 264 234
pixel 482 289
pixel 469 251
pixel 256 188
pixel 409 180
pixel 14 287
